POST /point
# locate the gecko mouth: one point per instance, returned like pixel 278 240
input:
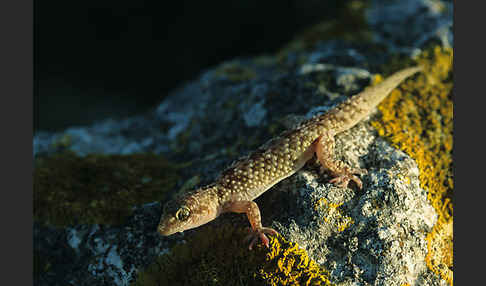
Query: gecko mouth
pixel 163 230
pixel 166 231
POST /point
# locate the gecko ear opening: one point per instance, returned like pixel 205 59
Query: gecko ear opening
pixel 183 213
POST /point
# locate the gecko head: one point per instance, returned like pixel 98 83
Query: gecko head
pixel 186 212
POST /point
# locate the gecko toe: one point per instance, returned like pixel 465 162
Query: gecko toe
pixel 357 181
pixel 269 230
pixel 342 181
pixel 254 239
pixel 260 234
pixel 264 239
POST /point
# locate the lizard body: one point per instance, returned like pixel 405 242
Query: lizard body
pixel 247 178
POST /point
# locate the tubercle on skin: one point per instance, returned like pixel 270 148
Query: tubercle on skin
pixel 246 179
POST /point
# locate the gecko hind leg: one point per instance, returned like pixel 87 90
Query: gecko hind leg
pixel 252 211
pixel 342 173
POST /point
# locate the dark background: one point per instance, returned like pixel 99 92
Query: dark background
pixel 99 59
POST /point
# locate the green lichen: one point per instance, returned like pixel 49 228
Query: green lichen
pixel 235 72
pixel 220 256
pixel 101 189
pixel 41 265
pixel 348 25
pixel 62 143
pixel 417 118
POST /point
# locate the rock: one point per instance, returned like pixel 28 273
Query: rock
pixel 374 236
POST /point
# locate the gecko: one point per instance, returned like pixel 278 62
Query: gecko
pixel 247 178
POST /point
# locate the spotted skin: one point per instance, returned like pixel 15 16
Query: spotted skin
pixel 247 178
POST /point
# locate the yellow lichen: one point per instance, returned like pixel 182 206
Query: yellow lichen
pixel 287 264
pixel 417 118
pixel 220 256
pixel 440 244
pixel 333 215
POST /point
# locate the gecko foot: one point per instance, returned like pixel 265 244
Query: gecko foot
pixel 342 180
pixel 260 233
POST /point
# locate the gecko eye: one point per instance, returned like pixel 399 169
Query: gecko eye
pixel 183 213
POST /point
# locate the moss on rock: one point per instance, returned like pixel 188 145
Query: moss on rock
pixel 101 189
pixel 220 256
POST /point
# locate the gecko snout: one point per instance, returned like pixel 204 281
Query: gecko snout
pixel 162 230
pixel 164 227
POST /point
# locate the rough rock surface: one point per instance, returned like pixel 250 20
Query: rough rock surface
pixel 369 237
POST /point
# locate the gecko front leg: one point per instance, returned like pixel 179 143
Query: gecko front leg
pixel 253 213
pixel 342 173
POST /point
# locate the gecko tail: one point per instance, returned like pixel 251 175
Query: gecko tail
pixel 357 107
pixel 373 95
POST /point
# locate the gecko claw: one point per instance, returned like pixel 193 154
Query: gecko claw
pixel 342 180
pixel 260 233
pixel 238 185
